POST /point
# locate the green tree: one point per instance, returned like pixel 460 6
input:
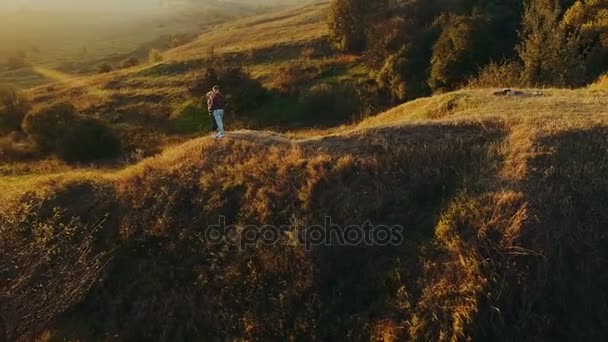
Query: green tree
pixel 590 18
pixel 348 22
pixel 13 108
pixel 48 125
pixel 401 77
pixel 460 50
pixel 549 52
pixel 87 141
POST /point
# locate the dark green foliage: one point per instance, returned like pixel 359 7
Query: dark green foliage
pixel 87 141
pixel 417 47
pixel 549 52
pixel 48 125
pixel 347 22
pixel 243 94
pixel 328 103
pixel 13 108
pixel 192 117
pixel 131 62
pixel 59 129
pixel 403 74
pixel 104 68
pixel 459 51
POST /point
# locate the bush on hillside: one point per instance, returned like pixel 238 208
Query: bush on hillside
pixel 59 129
pixel 396 79
pixel 290 79
pixel 13 108
pixel 89 140
pixel 498 75
pixel 243 94
pixel 372 97
pixel 155 56
pixel 17 147
pixel 325 102
pixel 347 24
pixel 48 125
pixel 104 68
pixel 459 51
pixel 129 63
pixel 549 52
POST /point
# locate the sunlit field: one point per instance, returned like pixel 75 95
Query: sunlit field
pixel 411 170
pixel 79 39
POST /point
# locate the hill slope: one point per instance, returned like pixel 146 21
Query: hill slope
pixel 502 201
pixel 153 105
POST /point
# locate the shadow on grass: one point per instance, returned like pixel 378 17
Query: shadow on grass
pixel 180 287
pixel 565 296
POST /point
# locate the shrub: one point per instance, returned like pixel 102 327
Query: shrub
pixel 155 56
pixel 58 129
pixel 13 108
pixel 16 147
pixel 243 94
pixel 290 79
pixel 388 34
pixel 459 51
pixel 129 63
pixel 347 24
pixel 326 102
pixel 16 62
pixel 550 53
pixel 89 140
pixel 497 75
pixel 104 68
pixel 48 125
pixel 400 77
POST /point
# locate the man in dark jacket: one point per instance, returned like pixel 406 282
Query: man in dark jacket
pixel 217 108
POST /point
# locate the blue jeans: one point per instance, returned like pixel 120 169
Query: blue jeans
pixel 218 114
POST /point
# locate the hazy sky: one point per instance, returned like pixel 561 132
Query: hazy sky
pixel 148 6
pixel 84 5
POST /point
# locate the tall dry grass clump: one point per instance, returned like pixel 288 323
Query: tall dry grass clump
pixel 50 260
pixel 601 83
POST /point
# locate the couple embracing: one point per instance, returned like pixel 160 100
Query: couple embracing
pixel 215 104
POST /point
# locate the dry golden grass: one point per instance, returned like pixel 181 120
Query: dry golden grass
pixel 137 101
pixel 269 30
pixel 503 200
pixel 601 83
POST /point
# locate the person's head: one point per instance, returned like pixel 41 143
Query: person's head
pixel 216 89
pixel 210 94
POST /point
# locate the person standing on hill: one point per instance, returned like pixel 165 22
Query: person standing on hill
pixel 209 108
pixel 217 107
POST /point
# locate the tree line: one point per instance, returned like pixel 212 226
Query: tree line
pixel 417 47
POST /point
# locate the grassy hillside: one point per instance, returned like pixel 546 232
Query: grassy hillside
pixel 153 105
pixel 77 39
pixel 502 200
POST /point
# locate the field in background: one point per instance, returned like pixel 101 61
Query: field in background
pixel 152 107
pixel 79 42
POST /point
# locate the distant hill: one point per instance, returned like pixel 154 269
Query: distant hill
pixel 76 37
